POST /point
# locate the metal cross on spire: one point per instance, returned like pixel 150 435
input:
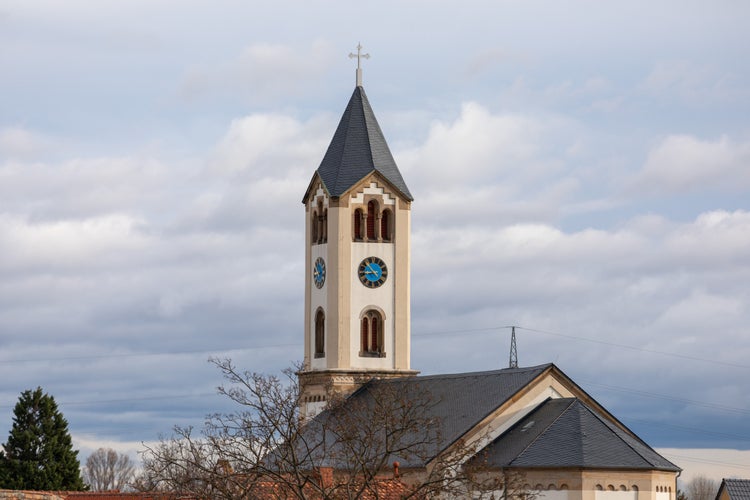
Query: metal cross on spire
pixel 359 55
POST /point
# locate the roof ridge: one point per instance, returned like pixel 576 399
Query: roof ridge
pixel 486 372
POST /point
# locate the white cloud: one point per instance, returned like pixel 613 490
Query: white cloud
pixel 684 163
pixel 18 142
pixel 70 244
pixel 261 72
pixel 515 221
pixel 485 168
pixel 696 84
pixel 271 145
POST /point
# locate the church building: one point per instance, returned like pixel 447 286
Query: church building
pixel 534 421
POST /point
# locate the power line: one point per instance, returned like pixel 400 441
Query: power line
pixel 128 400
pixel 417 336
pixel 146 354
pixel 706 461
pixel 691 430
pixel 640 349
pixel 666 397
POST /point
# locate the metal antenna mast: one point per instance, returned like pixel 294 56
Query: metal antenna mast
pixel 513 363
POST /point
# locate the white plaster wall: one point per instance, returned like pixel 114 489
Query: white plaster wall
pixel 537 495
pixel 379 298
pixel 552 495
pixel 318 298
pixel 317 295
pixel 617 495
pixel 663 495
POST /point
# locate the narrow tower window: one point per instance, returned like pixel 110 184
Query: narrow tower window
pixel 314 227
pixel 320 324
pixel 321 224
pixel 364 334
pixel 374 341
pixel 372 214
pixel 358 236
pixel 385 225
pixel 324 229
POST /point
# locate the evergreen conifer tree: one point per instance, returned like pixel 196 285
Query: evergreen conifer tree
pixel 39 454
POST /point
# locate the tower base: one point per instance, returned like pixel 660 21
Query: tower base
pixel 319 387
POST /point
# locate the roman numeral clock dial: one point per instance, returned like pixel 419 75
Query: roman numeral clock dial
pixel 372 272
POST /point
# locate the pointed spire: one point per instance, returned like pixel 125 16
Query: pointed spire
pixel 357 149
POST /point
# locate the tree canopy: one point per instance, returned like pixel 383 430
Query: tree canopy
pixel 39 453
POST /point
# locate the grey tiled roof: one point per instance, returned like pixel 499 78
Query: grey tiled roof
pixel 456 402
pixel 358 148
pixel 568 433
pixel 738 489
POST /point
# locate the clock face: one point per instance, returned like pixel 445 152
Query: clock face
pixel 319 272
pixel 372 272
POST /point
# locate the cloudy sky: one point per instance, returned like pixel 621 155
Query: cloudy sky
pixel 580 169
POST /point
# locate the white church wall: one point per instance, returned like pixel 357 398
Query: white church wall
pixel 380 298
pixel 616 495
pixel 553 495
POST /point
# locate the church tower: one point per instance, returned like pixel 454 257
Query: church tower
pixel 357 292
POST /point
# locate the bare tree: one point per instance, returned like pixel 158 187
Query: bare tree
pixel 349 451
pixel 108 470
pixel 702 488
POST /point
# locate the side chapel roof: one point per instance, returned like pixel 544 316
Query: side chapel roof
pixel 566 432
pixel 357 149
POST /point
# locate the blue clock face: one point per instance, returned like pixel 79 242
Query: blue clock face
pixel 372 272
pixel 319 272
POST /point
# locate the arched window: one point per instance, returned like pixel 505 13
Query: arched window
pixel 371 334
pixel 320 325
pixel 358 236
pixel 372 215
pixel 386 225
pixel 314 227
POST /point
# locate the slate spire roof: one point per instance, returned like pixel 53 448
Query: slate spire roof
pixel 357 149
